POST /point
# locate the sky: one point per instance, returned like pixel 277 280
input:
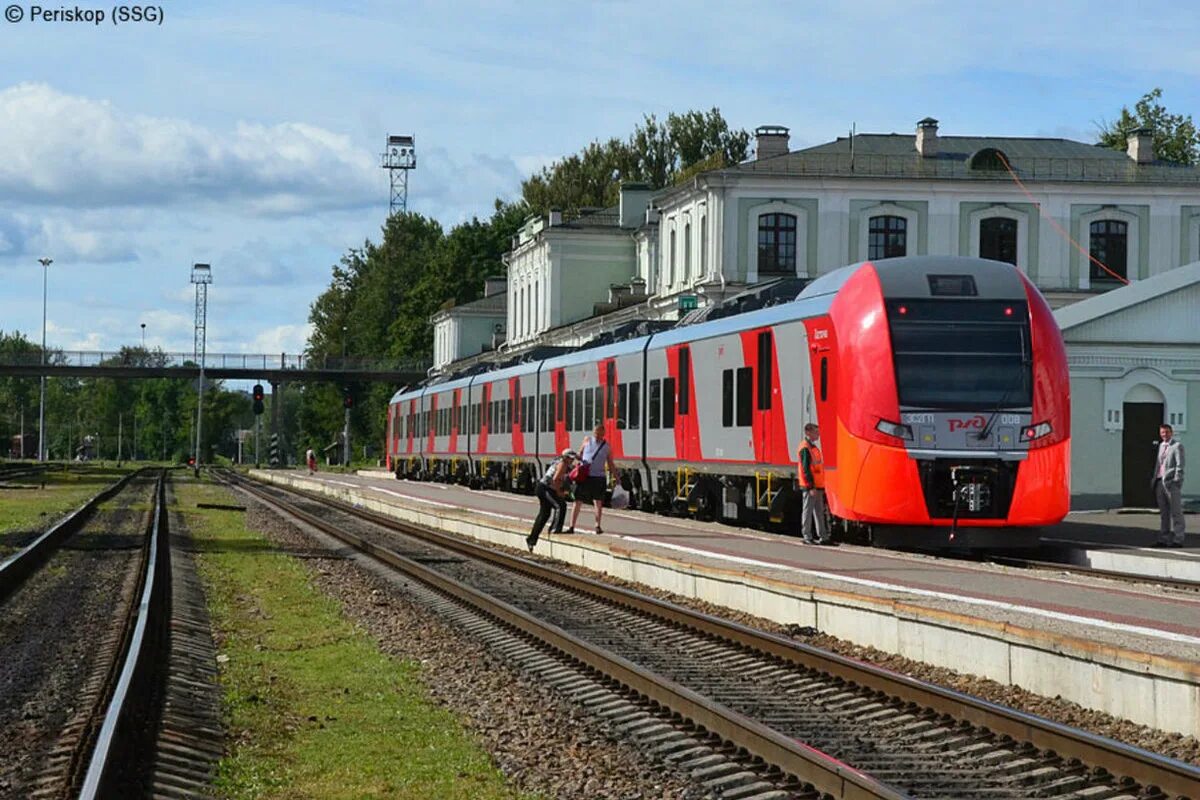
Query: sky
pixel 247 135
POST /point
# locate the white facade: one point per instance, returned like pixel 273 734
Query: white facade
pixel 463 331
pixel 1134 355
pixel 944 204
pixel 557 273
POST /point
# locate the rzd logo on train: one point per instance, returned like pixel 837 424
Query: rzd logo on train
pixel 970 423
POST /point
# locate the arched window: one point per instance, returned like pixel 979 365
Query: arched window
pixel 671 262
pixel 989 159
pixel 687 253
pixel 776 244
pixel 998 239
pixel 1110 246
pixel 887 237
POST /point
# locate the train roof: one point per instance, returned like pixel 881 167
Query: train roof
pixel 594 354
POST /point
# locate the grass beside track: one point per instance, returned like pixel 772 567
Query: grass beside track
pixel 313 708
pixel 33 508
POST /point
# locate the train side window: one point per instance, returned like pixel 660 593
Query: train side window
pixel 561 398
pixel 668 403
pixel 589 408
pixel 765 369
pixel 551 416
pixel 601 410
pixel 655 397
pixel 622 405
pixel 745 390
pixel 685 379
pixel 727 398
pixel 569 419
pixel 824 379
pixel 635 405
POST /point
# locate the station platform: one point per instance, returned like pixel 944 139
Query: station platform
pixel 1123 540
pixel 1127 650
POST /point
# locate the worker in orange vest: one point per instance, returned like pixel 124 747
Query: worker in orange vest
pixel 810 476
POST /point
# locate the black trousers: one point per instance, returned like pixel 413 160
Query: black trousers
pixel 550 503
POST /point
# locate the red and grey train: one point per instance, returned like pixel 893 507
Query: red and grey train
pixel 940 386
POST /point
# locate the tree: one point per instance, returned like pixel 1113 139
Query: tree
pixel 656 153
pixel 1176 139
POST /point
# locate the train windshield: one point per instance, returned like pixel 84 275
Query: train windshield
pixel 962 354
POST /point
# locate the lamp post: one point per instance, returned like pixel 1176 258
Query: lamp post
pixel 143 336
pixel 346 415
pixel 45 262
pixel 201 277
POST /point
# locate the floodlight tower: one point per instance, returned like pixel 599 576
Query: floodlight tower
pixel 398 158
pixel 201 277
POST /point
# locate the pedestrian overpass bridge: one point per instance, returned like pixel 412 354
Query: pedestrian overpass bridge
pixel 275 368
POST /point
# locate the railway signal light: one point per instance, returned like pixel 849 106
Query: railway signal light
pixel 258 398
pixel 347 397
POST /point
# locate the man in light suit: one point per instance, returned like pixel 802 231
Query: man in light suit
pixel 1168 488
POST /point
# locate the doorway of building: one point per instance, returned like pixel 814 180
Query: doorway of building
pixel 1138 450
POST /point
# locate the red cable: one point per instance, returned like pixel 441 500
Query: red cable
pixel 1055 225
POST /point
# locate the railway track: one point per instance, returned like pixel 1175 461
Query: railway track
pixel 95 729
pixel 805 722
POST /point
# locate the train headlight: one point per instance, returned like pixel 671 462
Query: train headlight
pixel 1033 432
pixel 894 429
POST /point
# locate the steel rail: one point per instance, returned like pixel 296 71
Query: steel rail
pixel 152 606
pixel 1173 777
pixel 19 566
pixel 792 757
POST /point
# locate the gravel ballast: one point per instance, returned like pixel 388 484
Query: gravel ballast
pixel 543 743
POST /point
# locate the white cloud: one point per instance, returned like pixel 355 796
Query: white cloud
pixel 280 339
pixel 67 150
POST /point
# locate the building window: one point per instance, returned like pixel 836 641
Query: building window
pixel 998 239
pixel 777 244
pixel 687 253
pixel 671 262
pixel 887 237
pixel 704 246
pixel 1109 246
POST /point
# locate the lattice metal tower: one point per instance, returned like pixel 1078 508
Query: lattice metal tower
pixel 398 158
pixel 202 277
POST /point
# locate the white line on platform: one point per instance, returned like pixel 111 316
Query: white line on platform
pixel 965 599
pixel 958 598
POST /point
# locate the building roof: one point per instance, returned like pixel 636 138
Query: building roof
pixel 1160 309
pixel 894 155
pixel 595 218
pixel 497 303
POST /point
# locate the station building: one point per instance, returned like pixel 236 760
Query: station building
pixel 787 216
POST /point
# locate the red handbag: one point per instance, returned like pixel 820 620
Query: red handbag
pixel 578 473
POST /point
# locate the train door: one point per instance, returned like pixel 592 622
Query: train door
pixel 1139 449
pixel 770 425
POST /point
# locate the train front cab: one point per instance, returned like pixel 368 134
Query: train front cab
pixel 943 410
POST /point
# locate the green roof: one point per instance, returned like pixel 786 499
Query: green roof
pixel 894 155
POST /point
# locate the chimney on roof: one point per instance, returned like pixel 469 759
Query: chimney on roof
pixel 927 138
pixel 1140 145
pixel 555 218
pixel 770 140
pixel 494 285
pixel 635 198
